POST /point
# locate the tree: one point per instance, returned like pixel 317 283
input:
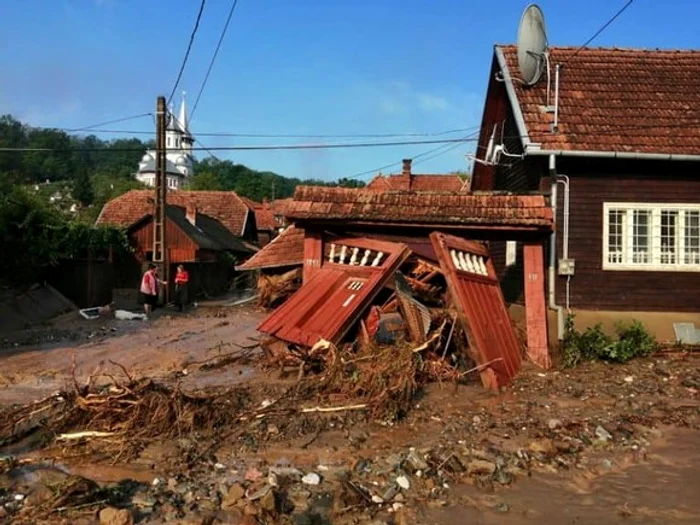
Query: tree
pixel 205 181
pixel 83 191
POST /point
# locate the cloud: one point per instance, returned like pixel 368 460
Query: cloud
pixel 428 102
pixel 392 106
pixel 52 115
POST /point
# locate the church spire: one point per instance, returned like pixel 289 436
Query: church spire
pixel 182 118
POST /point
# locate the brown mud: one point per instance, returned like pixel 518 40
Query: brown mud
pixel 597 444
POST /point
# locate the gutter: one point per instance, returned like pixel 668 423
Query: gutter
pixel 534 149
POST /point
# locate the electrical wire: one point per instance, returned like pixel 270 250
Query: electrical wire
pixel 252 147
pixel 298 135
pixel 446 147
pixel 105 123
pixel 597 33
pixel 213 58
pixel 189 48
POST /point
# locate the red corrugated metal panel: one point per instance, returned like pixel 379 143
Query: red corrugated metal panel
pixel 337 294
pixel 474 289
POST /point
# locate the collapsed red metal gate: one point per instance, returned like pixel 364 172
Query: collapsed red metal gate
pixel 352 271
pixel 474 287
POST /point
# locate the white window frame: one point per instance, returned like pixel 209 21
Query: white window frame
pixel 654 264
pixel 511 253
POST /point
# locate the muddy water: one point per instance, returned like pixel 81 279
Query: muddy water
pixel 664 489
pixel 156 349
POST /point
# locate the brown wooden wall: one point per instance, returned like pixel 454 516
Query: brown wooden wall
pixel 181 247
pixel 595 289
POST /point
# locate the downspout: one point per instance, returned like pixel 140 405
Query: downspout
pixel 556 180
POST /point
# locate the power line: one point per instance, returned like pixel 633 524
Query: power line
pixel 603 28
pixel 414 158
pixel 296 135
pixel 213 58
pixel 100 124
pixel 270 147
pixel 189 48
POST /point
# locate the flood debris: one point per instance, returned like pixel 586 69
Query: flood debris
pixel 375 320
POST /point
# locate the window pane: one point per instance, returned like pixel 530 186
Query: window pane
pixel 640 236
pixel 669 237
pixel 615 242
pixel 692 237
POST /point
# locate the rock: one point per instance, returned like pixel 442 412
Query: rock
pixel 400 497
pixel 415 462
pixel 112 516
pixel 629 379
pixel 389 494
pixel 3 513
pixel 554 424
pixel 248 520
pixel 690 383
pixel 39 494
pixel 542 446
pixel 503 477
pixel 481 467
pixel 257 492
pixel 502 507
pixel 377 499
pixel 563 446
pixel 603 434
pixel 235 494
pixel 403 482
pixel 267 502
pixel 607 464
pixel 311 479
pixel 273 430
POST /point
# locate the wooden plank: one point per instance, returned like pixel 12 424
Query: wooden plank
pixel 313 254
pixel 535 305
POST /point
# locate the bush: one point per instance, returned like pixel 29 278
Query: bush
pixel 633 340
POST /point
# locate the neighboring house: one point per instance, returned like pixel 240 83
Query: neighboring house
pixel 264 220
pixel 192 237
pixel 179 164
pixel 224 206
pixel 204 230
pixel 409 181
pixel 625 152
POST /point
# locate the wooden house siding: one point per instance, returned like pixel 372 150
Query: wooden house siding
pixel 593 288
pixel 182 248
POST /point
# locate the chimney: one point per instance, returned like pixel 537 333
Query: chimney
pixel 265 203
pixel 191 213
pixel 406 173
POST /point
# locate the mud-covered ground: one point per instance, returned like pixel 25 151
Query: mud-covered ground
pixel 597 444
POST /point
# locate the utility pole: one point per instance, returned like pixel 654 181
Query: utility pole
pixel 160 247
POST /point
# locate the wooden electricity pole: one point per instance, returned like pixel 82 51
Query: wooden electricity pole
pixel 160 246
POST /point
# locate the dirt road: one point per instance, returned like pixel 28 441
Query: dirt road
pixel 596 444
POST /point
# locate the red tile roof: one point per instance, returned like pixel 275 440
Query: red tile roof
pixel 319 203
pixel 621 100
pixel 225 206
pixel 264 217
pixel 416 182
pixel 287 249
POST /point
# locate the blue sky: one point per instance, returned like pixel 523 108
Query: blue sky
pixel 301 66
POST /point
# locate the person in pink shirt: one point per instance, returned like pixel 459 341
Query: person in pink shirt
pixel 149 289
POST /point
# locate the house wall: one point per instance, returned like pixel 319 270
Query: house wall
pixel 593 183
pixel 180 246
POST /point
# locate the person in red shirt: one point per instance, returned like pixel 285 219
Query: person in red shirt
pixel 182 278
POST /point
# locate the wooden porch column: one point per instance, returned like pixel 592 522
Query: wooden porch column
pixel 313 254
pixel 535 304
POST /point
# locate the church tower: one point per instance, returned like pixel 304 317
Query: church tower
pixel 179 160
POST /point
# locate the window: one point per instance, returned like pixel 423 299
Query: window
pixel 658 237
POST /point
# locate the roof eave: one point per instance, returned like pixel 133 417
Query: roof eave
pixel 536 150
pixel 513 98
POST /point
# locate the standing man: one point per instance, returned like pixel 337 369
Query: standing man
pixel 149 289
pixel 181 280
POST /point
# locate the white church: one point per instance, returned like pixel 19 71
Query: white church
pixel 179 161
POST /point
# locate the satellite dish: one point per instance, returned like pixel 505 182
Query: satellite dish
pixel 532 45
